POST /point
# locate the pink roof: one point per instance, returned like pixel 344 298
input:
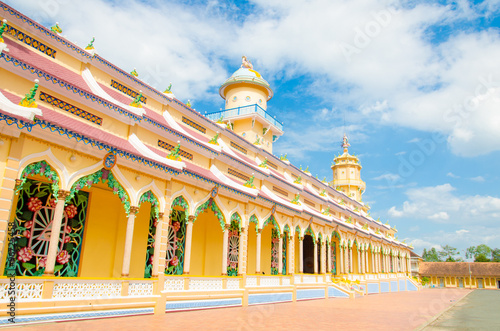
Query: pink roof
pixel 29 56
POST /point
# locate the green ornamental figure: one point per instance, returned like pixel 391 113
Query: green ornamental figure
pixel 296 199
pixel 249 182
pixel 29 99
pixel 90 46
pixel 214 139
pixel 263 164
pixel 2 29
pixel 137 101
pixel 188 103
pixel 169 89
pixel 56 28
pixel 174 155
pixel 134 73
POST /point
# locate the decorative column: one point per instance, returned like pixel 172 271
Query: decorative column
pixel 359 261
pixel 328 249
pixel 189 239
pixel 323 258
pixel 242 248
pixel 129 236
pixel 341 259
pixel 367 261
pixel 301 255
pixel 348 257
pixel 257 258
pixel 225 240
pixel 280 255
pixel 291 254
pixel 55 232
pixel 156 254
pixel 315 257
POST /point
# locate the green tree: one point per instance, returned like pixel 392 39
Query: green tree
pixel 431 255
pixel 480 253
pixel 449 254
pixel 495 255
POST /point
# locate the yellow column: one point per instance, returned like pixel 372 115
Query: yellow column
pixel 329 259
pixel 359 261
pixel 351 269
pixel 280 255
pixel 323 258
pixel 224 249
pixel 55 231
pixel 156 259
pixel 241 250
pixel 301 255
pixel 315 257
pixel 129 236
pixel 341 260
pixel 189 239
pixel 257 258
pixel 367 261
pixel 290 259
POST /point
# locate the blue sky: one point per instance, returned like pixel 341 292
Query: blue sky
pixel 417 83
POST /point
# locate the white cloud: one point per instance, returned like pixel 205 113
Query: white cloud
pixel 452 87
pixel 452 175
pixel 463 231
pixel 478 179
pixel 442 215
pixel 388 177
pixel 400 153
pixel 414 140
pixel 440 204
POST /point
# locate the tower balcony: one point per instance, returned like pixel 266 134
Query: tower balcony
pixel 245 112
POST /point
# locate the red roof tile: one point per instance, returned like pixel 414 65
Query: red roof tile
pixel 29 56
pixel 459 268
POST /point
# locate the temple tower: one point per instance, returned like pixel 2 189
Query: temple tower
pixel 246 95
pixel 347 173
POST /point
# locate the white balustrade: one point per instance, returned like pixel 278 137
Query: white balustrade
pixel 23 291
pixel 205 284
pixel 86 289
pixel 269 281
pixel 174 284
pixel 285 281
pixel 233 283
pixel 309 279
pixel 297 279
pixel 140 288
pixel 251 281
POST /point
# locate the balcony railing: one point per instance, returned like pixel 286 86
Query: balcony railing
pixel 245 110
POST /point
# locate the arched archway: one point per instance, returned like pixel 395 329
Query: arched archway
pixel 296 246
pixel 106 227
pixel 177 221
pixel 308 251
pixel 151 200
pixel 335 253
pixel 270 247
pixel 355 258
pixel 233 245
pixel 253 224
pixel 35 201
pixel 207 241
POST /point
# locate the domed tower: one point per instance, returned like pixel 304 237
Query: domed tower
pixel 347 173
pixel 246 94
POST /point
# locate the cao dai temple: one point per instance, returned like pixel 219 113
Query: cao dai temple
pixel 119 199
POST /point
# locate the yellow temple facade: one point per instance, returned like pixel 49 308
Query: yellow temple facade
pixel 119 199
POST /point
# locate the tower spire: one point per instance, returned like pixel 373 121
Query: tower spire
pixel 345 143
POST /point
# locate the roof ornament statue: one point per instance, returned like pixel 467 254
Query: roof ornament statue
pixel 56 28
pixel 245 63
pixel 188 103
pixel 174 155
pixel 90 46
pixel 345 143
pixel 2 29
pixel 29 99
pixel 169 89
pixel 134 73
pixel 249 183
pixel 137 101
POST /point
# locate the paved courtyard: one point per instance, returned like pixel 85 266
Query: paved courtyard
pixel 480 310
pixel 390 311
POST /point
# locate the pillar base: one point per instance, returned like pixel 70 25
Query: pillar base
pixel 186 273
